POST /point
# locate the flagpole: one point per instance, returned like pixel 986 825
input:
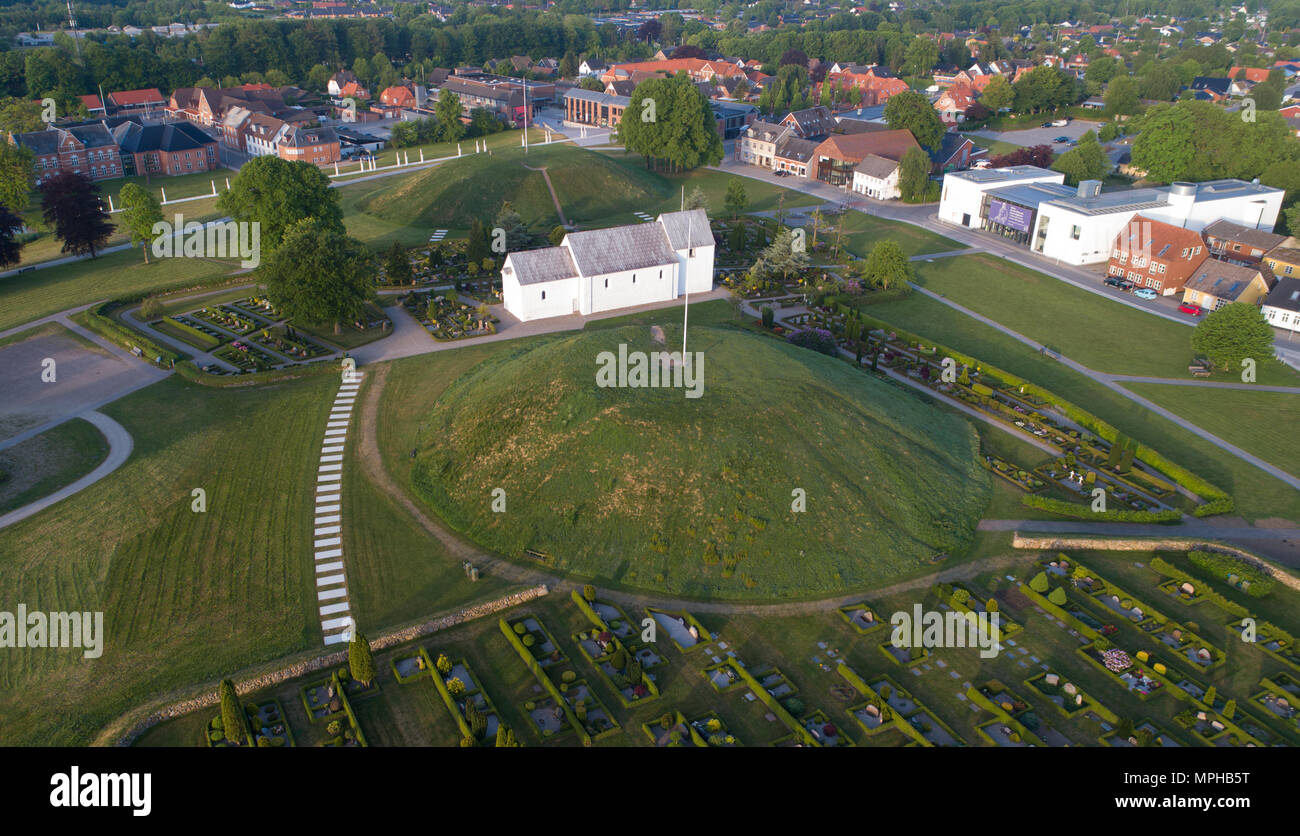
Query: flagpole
pixel 686 287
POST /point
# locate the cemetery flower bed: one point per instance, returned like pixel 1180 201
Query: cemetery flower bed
pixel 268 723
pixel 227 318
pixel 593 717
pixel 714 730
pixel 288 342
pixel 245 356
pixel 1008 728
pixel 465 699
pixel 1023 479
pixel 1067 696
pixel 411 667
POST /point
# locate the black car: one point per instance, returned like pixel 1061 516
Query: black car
pixel 1045 125
pixel 1122 284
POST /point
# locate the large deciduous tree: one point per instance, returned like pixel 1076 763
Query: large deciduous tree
pixel 10 247
pixel 913 175
pixel 279 194
pixel 669 122
pixel 1085 161
pixel 319 274
pixel 1234 333
pixel 17 176
pixel 448 109
pixel 887 266
pixel 74 210
pixel 912 111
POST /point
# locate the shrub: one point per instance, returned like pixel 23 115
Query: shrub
pixel 333 728
pixel 589 593
pixel 769 316
pixel 1039 583
pixel 443 664
pixel 520 629
pixel 455 687
pixel 1057 597
pixel 568 676
pixel 529 641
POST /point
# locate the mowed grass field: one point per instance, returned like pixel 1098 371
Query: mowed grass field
pixel 44 463
pixel 1102 334
pixel 1258 495
pixel 1264 423
pixel 862 232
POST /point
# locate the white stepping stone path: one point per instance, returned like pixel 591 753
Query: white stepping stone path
pixel 438 235
pixel 327 524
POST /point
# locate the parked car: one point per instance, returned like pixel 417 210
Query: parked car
pixel 1122 284
pixel 1144 293
pixel 1061 123
pixel 1194 310
pixel 1062 139
pixel 1046 125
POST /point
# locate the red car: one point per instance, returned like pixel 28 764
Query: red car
pixel 1194 310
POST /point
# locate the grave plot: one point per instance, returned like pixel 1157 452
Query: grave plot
pixel 411 667
pixel 537 641
pixel 466 700
pixel 671 730
pixel 587 708
pixel 327 706
pixel 1014 724
pixel 905 656
pixel 685 631
pixel 1279 697
pixel 714 730
pixel 1068 697
pixel 446 317
pixel 268 725
pixel 548 716
pixel 246 357
pixel 227 318
pixel 862 617
pixel 286 341
pixel 1144 733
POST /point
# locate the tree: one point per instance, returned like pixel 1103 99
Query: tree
pixel 1085 161
pixel 921 56
pixel 569 65
pixel 10 247
pixel 73 209
pixel 1234 333
pixel 696 199
pixel 361 664
pixel 477 247
pixel 1039 583
pixel 887 266
pixel 1044 88
pixel 20 116
pixel 279 194
pixel 913 175
pixel 592 84
pixel 319 274
pixel 913 111
pixel 397 265
pixel 769 316
pixel 140 211
pixel 17 176
pixel 736 200
pixel 797 57
pixel 232 713
pixel 448 111
pixel 1210 694
pixel 669 121
pixel 511 227
pixel 783 255
pixel 1122 96
pixel 557 235
pixel 998 95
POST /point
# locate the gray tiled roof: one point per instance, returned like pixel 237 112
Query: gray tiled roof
pixel 876 166
pixel 1286 295
pixel 1221 279
pixel 1230 231
pixel 545 265
pixel 619 248
pixel 693 223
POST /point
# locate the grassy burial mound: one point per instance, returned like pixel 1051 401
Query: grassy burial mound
pixel 589 186
pixel 693 496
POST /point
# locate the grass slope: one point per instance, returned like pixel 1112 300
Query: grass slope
pixel 54 459
pixel 1102 334
pixel 1258 495
pixel 647 488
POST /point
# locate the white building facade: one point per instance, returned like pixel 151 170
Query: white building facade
pixel 608 269
pixel 1078 225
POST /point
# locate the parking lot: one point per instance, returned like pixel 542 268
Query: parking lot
pixel 1043 136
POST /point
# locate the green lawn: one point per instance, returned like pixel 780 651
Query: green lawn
pixel 190 597
pixel 996 147
pixel 1263 423
pixel 1100 333
pixel 44 463
pixel 1258 495
pixel 435 150
pixel 862 231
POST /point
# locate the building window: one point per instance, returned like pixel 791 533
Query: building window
pixel 543 294
pixel 1075 232
pixel 606 282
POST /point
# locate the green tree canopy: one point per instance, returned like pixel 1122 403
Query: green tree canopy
pixel 1085 161
pixel 669 122
pixel 140 211
pixel 319 274
pixel 1234 333
pixel 912 111
pixel 278 194
pixel 360 661
pixel 887 266
pixel 913 175
pixel 232 714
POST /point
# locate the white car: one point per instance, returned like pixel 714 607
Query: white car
pixel 1144 293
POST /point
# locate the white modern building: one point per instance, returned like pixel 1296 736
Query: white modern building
pixel 607 269
pixel 1281 307
pixel 1078 225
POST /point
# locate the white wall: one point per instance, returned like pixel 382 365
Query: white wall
pixel 1282 318
pixel 961 196
pixel 526 302
pixel 1096 234
pixel 695 275
pixel 611 291
pixel 886 189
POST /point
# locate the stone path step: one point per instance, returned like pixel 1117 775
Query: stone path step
pixel 336 616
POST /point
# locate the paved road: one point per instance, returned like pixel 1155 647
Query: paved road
pixel 1280 544
pixel 119 449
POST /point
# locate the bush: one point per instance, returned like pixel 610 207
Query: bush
pixel 568 676
pixel 816 339
pixel 769 317
pixel 1071 509
pixel 1057 597
pixel 520 629
pixel 1039 583
pixel 334 728
pixel 529 641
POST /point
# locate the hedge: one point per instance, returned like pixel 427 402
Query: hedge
pixel 191 331
pixel 1072 509
pixel 774 704
pixel 1168 570
pixel 974 695
pixel 450 702
pixel 1222 566
pixel 1060 613
pixel 1217 501
pixel 98 319
pixel 544 680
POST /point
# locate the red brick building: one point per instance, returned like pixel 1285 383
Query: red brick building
pixel 1156 255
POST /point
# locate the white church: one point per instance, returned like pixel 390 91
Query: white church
pixel 606 269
